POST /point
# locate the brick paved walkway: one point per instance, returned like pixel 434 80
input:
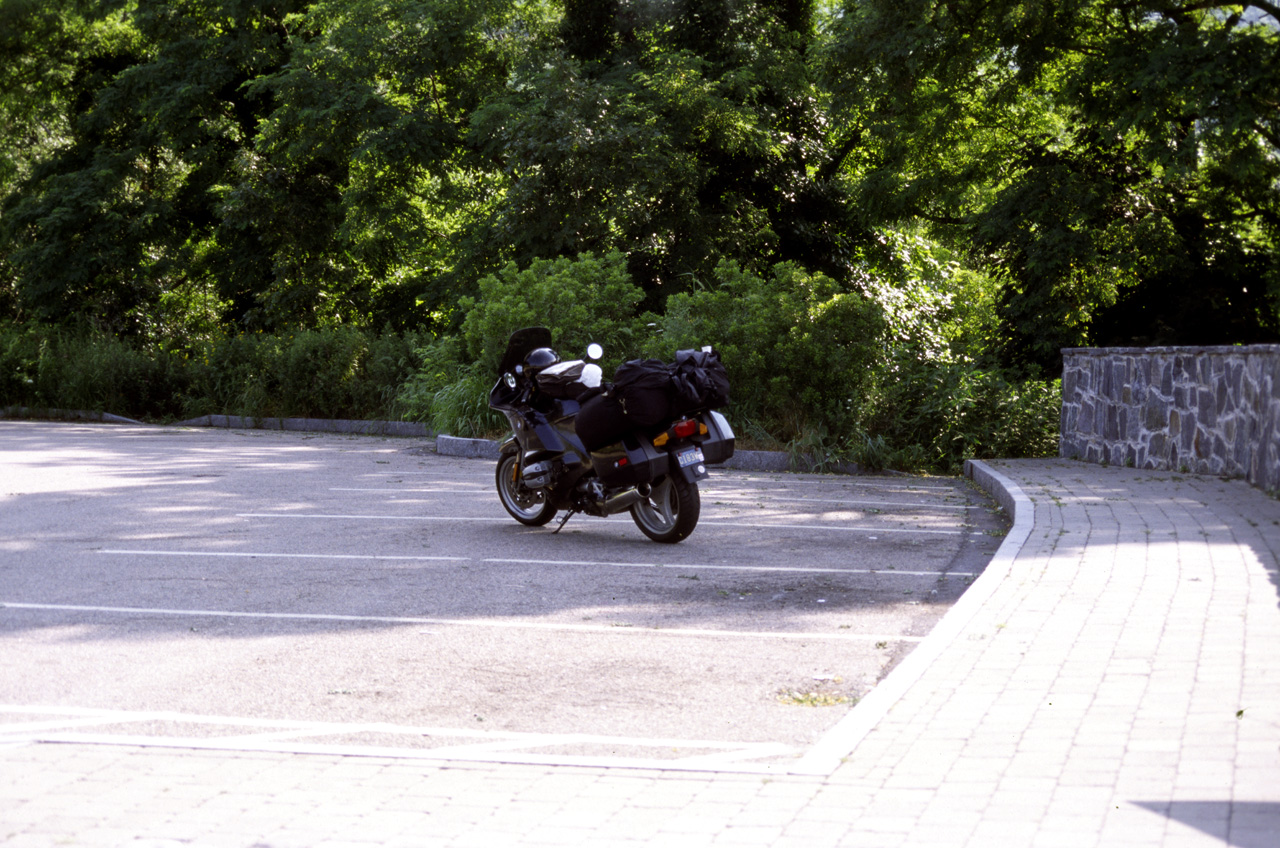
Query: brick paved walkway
pixel 1113 679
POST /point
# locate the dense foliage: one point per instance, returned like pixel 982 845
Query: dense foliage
pixel 1114 165
pixel 339 372
pixel 889 216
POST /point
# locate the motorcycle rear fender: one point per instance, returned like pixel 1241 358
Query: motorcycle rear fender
pixel 692 473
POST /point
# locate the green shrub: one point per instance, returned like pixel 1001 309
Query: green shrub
pixel 799 349
pixel 895 377
pixel 312 374
pixel 462 408
pixel 440 365
pixel 228 376
pixel 19 362
pixel 936 414
pixel 390 360
pixel 938 397
pixel 581 300
pixel 338 373
pixel 448 395
pixel 105 374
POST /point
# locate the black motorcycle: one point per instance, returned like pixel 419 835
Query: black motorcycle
pixel 580 445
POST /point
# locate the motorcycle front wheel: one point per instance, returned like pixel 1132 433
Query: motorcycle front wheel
pixel 670 512
pixel 528 506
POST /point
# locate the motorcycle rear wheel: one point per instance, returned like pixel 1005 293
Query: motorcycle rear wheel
pixel 528 506
pixel 670 512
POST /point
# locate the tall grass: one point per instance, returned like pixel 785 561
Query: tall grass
pixel 337 373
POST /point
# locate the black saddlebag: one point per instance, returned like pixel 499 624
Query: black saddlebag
pixel 601 422
pixel 630 462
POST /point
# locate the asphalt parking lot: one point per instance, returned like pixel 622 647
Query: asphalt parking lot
pixel 258 590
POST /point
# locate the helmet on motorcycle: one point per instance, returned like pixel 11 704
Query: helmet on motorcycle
pixel 540 358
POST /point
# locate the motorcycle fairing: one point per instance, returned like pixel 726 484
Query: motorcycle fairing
pixel 520 344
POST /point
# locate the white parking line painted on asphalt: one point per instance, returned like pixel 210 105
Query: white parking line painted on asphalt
pixel 370 517
pixel 755 499
pixel 727 763
pixel 489 746
pixel 266 554
pixel 485 492
pixel 503 624
pixel 486 487
pixel 832 481
pixel 767 569
pixel 762 568
pixel 842 529
pixel 755 525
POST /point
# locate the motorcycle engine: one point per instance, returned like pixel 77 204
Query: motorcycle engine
pixel 538 475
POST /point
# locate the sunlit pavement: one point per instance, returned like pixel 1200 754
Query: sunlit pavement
pixel 1111 678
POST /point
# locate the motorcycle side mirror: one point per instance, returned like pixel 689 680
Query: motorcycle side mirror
pixel 594 351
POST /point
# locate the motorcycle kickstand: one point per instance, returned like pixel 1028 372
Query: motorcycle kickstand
pixel 570 514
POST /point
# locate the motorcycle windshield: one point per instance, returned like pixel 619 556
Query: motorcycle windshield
pixel 519 345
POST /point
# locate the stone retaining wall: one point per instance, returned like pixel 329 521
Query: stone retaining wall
pixel 1205 410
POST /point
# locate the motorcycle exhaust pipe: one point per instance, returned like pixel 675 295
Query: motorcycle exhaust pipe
pixel 625 499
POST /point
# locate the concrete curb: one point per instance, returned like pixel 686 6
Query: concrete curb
pixel 65 415
pixel 239 422
pixel 312 425
pixel 447 445
pixel 840 741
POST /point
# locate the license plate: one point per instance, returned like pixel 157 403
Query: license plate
pixel 689 456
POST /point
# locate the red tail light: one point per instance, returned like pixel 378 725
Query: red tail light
pixel 686 428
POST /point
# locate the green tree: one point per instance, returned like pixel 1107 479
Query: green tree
pixel 44 67
pixel 678 135
pixel 359 184
pixel 118 214
pixel 1115 164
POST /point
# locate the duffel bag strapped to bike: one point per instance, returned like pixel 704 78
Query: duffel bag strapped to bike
pixel 652 392
pixel 698 381
pixel 643 388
